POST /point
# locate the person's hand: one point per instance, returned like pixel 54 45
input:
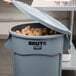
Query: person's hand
pixel 8 1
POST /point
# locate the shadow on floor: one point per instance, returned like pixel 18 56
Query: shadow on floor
pixel 68 73
pixel 74 41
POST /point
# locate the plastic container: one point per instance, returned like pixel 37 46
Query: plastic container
pixel 38 55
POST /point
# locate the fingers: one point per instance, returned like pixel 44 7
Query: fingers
pixel 8 1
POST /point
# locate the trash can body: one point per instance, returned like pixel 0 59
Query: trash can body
pixel 36 56
pixel 37 60
pixel 37 65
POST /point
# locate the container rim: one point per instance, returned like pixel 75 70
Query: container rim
pixel 32 37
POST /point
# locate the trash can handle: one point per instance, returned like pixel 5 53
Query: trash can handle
pixel 8 42
pixel 66 42
pixel 9 37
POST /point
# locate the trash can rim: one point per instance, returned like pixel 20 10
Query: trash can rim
pixel 34 37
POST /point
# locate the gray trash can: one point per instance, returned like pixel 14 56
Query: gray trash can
pixel 37 55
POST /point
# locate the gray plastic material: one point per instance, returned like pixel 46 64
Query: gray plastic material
pixel 37 65
pixel 66 44
pixel 42 18
pixel 45 19
pixel 36 55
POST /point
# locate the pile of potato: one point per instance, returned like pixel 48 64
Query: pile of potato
pixel 35 31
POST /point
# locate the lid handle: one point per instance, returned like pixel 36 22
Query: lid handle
pixel 66 42
pixel 8 42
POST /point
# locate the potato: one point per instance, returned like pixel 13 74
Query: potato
pixel 18 32
pixel 38 32
pixel 35 31
pixel 45 31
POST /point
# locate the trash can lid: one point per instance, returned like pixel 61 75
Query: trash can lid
pixel 41 17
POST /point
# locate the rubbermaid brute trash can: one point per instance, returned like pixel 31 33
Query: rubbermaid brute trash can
pixel 37 55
